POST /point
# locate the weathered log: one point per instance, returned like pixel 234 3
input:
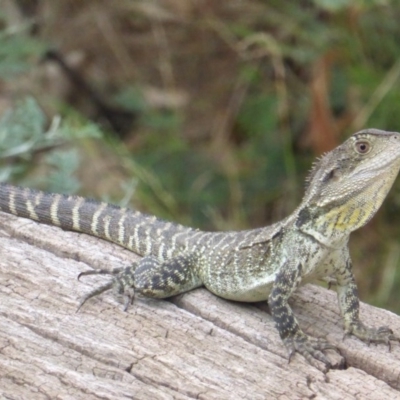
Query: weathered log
pixel 193 346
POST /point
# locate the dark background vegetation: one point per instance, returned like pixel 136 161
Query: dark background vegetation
pixel 205 112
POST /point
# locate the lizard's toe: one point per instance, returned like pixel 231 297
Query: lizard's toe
pixel 368 335
pixel 312 349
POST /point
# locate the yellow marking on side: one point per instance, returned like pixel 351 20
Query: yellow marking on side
pixel 121 227
pixel 11 202
pixel 38 198
pixel 136 239
pixel 95 218
pixel 148 243
pixel 358 217
pixel 54 210
pixel 106 221
pixel 345 218
pixel 31 210
pixel 130 242
pixel 75 214
pixel 30 206
pixel 160 250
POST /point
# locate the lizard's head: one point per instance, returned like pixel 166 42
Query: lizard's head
pixel 350 182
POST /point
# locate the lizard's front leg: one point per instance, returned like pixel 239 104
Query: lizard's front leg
pixel 350 308
pixel 295 340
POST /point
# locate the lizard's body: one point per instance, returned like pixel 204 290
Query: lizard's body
pixel 345 189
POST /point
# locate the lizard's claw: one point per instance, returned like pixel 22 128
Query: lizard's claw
pixel 312 349
pixel 372 335
pixel 94 293
pixel 114 272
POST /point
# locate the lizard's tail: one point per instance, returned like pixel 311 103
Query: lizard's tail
pixel 136 231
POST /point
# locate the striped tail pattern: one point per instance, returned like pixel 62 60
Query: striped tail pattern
pixel 138 232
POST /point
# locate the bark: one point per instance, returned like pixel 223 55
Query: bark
pixel 196 346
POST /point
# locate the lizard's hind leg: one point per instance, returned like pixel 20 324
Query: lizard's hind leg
pixel 162 279
pixel 149 277
pixel 121 284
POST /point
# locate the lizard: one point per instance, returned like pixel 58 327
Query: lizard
pixel 344 189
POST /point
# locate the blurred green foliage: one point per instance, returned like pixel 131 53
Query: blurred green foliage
pixel 16 48
pixel 250 172
pixel 23 137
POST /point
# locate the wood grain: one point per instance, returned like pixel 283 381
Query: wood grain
pixel 195 346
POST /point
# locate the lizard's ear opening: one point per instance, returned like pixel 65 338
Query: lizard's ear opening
pixel 332 175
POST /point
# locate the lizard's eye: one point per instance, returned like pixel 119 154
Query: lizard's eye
pixel 362 147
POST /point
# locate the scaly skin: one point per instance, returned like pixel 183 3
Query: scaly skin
pixel 345 189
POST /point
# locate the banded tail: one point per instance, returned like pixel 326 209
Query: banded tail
pixel 141 233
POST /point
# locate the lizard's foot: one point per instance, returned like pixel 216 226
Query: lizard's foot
pixel 122 285
pixel 312 349
pixel 372 335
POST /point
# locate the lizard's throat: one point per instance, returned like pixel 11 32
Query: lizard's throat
pixel 331 225
pixel 339 218
pixel 344 218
